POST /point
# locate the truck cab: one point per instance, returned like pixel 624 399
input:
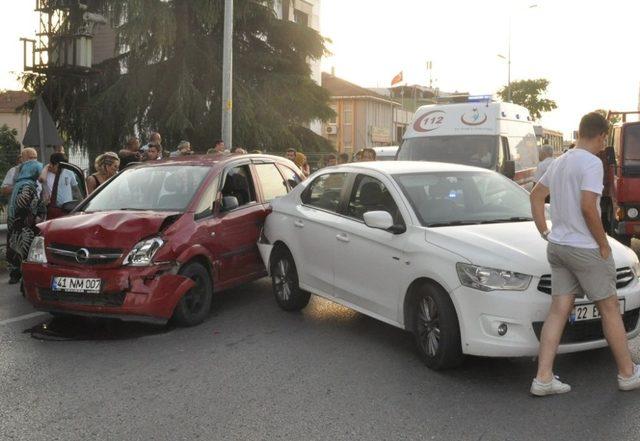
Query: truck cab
pixel 620 201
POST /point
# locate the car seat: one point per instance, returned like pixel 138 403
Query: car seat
pixel 440 206
pixel 236 185
pixel 371 198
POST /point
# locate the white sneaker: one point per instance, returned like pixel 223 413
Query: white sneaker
pixel 555 386
pixel 631 383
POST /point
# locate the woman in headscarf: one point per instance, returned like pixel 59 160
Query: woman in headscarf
pixel 26 209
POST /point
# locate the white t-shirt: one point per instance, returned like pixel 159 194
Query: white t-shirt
pixel 65 185
pixel 542 169
pixel 10 177
pixel 567 176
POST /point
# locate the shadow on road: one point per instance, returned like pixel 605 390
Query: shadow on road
pixel 81 328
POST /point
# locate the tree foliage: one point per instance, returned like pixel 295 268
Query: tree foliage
pixel 9 148
pixel 613 119
pixel 168 77
pixel 529 94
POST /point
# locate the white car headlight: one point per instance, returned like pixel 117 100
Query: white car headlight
pixel 490 279
pixel 36 251
pixel 143 252
pixel 632 213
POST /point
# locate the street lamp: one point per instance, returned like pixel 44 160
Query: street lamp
pixel 508 57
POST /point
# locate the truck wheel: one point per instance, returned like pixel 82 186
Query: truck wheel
pixel 623 239
pixel 195 304
pixel 436 329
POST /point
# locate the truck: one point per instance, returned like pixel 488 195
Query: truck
pixel 620 202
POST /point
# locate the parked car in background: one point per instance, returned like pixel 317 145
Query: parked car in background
pixel 159 239
pixel 495 136
pixel 447 252
pixel 387 153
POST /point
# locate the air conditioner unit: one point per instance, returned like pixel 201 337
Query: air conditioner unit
pixel 331 130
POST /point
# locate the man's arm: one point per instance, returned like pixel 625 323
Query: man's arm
pixel 537 198
pixel 43 175
pixel 589 207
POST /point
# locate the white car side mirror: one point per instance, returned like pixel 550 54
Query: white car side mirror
pixel 378 219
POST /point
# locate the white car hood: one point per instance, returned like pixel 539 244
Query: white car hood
pixel 513 246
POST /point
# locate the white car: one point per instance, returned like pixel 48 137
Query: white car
pixel 447 252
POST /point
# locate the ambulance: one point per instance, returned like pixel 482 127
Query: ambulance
pixel 493 135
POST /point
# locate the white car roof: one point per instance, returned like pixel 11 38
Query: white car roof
pixel 404 167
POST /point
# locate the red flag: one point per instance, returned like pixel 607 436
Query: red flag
pixel 397 79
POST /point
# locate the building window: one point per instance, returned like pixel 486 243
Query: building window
pixel 347 124
pixel 301 18
pixel 348 113
pixel 334 118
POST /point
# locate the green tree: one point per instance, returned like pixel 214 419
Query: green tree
pixel 529 94
pixel 169 75
pixel 9 148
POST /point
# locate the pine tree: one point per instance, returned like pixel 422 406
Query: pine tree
pixel 168 78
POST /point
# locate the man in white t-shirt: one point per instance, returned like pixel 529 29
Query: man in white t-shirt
pixel 7 183
pixel 546 158
pixel 579 254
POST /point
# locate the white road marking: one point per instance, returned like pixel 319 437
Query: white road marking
pixel 21 317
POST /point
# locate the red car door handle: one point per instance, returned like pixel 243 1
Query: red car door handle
pixel 298 223
pixel 342 237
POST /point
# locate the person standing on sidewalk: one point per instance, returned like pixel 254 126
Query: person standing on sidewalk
pixel 546 158
pixel 579 254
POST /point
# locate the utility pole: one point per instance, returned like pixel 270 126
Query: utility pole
pixel 227 76
pixel 509 65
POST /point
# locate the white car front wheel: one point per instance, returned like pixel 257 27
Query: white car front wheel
pixel 436 329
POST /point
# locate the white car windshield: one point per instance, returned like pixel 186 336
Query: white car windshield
pixel 166 188
pixel 464 198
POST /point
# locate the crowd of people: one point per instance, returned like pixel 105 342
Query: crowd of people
pixel 28 186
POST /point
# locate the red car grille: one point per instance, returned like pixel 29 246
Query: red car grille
pixel 78 255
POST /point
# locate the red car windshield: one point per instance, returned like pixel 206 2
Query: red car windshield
pixel 166 188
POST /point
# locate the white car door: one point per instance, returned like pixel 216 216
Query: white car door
pixel 314 229
pixel 369 262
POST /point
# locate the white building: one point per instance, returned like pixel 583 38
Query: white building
pixel 305 12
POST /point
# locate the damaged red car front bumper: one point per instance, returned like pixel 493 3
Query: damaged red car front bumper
pixel 147 294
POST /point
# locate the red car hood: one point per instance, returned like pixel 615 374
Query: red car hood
pixel 109 229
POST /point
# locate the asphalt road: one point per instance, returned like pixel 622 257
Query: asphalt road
pixel 254 372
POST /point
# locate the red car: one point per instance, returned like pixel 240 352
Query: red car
pixel 158 240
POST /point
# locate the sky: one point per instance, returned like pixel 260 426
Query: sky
pixel 585 48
